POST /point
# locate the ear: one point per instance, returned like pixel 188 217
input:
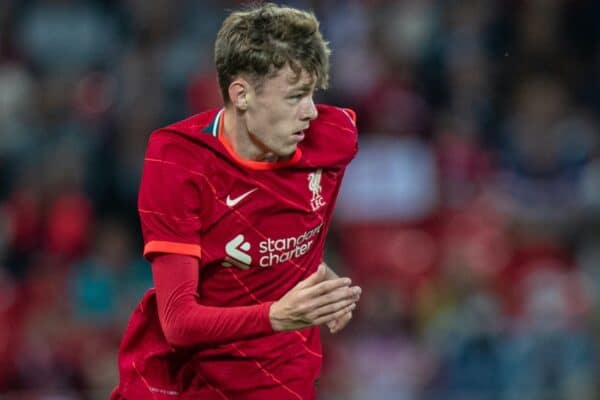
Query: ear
pixel 238 92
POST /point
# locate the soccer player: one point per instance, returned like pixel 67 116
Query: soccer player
pixel 235 205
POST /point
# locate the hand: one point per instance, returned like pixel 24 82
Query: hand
pixel 340 323
pixel 314 301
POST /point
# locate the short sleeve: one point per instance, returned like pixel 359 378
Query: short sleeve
pixel 169 205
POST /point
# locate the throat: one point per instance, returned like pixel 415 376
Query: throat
pixel 271 157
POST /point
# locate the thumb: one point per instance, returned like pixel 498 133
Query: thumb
pixel 315 277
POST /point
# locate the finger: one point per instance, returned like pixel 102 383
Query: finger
pixel 324 319
pixel 335 324
pixel 359 291
pixel 314 278
pixel 334 296
pixel 312 307
pixel 329 308
pixel 341 322
pixel 331 324
pixel 327 286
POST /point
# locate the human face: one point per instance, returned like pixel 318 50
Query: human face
pixel 278 114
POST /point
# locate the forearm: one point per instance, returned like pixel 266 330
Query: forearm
pixel 187 323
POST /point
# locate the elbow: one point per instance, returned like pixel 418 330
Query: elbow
pixel 172 325
pixel 174 337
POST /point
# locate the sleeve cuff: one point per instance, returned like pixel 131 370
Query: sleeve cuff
pixel 157 246
pixel 266 308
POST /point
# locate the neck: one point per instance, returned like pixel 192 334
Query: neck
pixel 241 140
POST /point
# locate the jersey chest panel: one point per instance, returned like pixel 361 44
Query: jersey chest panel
pixel 267 219
pixel 266 229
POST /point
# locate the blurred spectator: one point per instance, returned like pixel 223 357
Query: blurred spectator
pixel 384 361
pixel 16 101
pixel 81 33
pixel 391 178
pixel 590 184
pixel 546 150
pixel 108 278
pixel 471 215
pixel 549 355
pixel 471 364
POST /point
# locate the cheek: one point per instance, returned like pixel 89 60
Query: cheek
pixel 273 121
pixel 268 128
pixel 281 123
pixel 267 114
pixel 258 121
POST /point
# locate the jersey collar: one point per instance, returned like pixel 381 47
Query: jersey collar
pixel 215 128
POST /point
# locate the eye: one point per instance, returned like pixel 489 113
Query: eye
pixel 296 97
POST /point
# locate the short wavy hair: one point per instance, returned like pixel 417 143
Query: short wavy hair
pixel 257 42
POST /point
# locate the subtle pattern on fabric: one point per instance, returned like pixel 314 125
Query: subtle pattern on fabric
pixel 187 323
pixel 252 253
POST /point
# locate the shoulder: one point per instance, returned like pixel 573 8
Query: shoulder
pixel 332 139
pixel 176 163
pixel 195 124
pixel 182 141
pixel 344 118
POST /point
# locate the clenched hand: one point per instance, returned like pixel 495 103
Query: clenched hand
pixel 315 301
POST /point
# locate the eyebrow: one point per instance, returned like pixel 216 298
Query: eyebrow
pixel 302 89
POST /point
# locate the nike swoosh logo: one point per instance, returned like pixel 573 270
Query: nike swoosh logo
pixel 232 202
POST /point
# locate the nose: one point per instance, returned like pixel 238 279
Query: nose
pixel 309 110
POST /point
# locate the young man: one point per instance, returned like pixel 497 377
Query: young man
pixel 235 205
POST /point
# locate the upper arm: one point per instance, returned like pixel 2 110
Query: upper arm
pixel 169 204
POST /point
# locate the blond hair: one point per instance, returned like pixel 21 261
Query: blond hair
pixel 256 43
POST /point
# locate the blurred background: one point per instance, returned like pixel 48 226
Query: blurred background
pixel 471 216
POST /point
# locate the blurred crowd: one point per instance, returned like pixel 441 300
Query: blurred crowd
pixel 470 217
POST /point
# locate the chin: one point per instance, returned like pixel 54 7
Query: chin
pixel 287 152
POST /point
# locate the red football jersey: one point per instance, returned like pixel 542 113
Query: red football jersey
pixel 258 229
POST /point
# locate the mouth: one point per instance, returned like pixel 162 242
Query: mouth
pixel 298 136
